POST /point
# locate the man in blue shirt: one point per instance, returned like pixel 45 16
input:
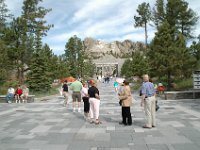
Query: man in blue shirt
pixel 148 101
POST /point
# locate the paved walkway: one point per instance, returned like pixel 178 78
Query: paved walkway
pixel 47 125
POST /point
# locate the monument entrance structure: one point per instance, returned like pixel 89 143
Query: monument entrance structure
pixel 108 66
pixel 107 69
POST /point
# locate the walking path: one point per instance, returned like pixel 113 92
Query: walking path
pixel 47 125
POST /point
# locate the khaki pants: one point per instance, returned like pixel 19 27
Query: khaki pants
pixel 65 94
pixel 94 108
pixel 149 108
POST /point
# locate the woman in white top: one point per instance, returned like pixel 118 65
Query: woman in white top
pixel 85 98
pixel 25 93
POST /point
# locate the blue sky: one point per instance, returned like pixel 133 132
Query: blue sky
pixel 106 20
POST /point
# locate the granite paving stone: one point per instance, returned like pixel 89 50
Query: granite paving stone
pixel 48 125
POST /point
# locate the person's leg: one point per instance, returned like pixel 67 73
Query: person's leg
pixel 87 107
pixel 96 110
pixel 153 111
pixel 84 106
pixel 25 98
pixel 74 101
pixel 16 98
pixel 91 100
pixel 8 98
pixel 20 98
pixel 79 101
pixel 147 109
pixel 124 115
pixel 129 116
pixel 65 94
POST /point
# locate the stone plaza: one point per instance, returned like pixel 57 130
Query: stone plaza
pixel 47 125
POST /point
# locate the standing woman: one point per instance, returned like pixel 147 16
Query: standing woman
pixel 85 98
pixel 125 98
pixel 94 100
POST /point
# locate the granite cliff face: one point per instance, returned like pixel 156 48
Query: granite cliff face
pixel 98 49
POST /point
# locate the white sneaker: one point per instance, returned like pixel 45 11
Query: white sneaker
pixel 16 101
pixel 9 102
pixel 79 110
pixel 74 110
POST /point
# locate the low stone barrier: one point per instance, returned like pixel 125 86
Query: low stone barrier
pixel 173 95
pixel 31 99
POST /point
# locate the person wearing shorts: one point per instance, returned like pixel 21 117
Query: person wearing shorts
pixel 76 88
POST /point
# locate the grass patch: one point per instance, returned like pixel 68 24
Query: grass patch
pixel 53 91
pixel 184 84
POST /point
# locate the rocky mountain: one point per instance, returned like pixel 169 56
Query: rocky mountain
pixel 98 49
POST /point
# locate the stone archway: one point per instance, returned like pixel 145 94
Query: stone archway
pixel 107 69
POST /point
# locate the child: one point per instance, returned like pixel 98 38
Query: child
pixel 18 94
pixel 116 85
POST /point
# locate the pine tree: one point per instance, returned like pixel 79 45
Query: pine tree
pixel 4 15
pixel 159 13
pixel 74 56
pixel 39 77
pixel 78 62
pixel 126 69
pixel 181 17
pixel 168 55
pixel 136 66
pixel 144 16
pixel 187 19
pixel 5 64
pixel 41 74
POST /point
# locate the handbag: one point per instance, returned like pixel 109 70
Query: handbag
pixel 120 103
pixel 157 106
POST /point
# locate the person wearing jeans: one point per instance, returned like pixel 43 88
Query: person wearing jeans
pixel 10 94
pixel 148 101
pixel 94 100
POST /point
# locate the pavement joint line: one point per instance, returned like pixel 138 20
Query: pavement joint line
pixel 189 111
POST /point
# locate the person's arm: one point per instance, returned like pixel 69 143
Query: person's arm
pixel 123 95
pixel 71 87
pixel 97 94
pixel 143 92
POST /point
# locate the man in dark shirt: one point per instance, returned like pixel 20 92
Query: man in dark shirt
pixel 65 92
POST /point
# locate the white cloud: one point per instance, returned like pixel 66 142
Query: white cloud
pixel 62 37
pixel 101 19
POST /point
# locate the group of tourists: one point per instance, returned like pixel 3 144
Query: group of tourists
pixel 91 99
pixel 20 94
pixel 148 101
